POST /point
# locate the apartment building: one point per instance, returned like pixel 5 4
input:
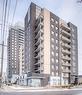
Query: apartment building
pixel 15 43
pixel 51 48
pixel 21 60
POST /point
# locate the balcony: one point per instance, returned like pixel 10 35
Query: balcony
pixel 38 41
pixel 37 62
pixel 39 69
pixel 65 76
pixel 39 20
pixel 66 51
pixel 66 45
pixel 38 34
pixel 39 26
pixel 39 55
pixel 66 39
pixel 66 64
pixel 37 49
pixel 66 33
pixel 66 70
pixel 66 58
pixel 65 27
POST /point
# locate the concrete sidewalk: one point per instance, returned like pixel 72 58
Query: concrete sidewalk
pixel 34 89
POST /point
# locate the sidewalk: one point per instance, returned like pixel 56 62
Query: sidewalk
pixel 34 89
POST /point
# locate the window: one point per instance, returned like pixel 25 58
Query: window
pixel 56 22
pixel 56 73
pixel 52 19
pixel 52 46
pixel 56 54
pixel 52 39
pixel 56 34
pixel 56 48
pixel 56 28
pixel 52 32
pixel 52 60
pixel 52 26
pixel 52 66
pixel 56 60
pixel 15 72
pixel 56 41
pixel 56 67
pixel 52 73
pixel 52 53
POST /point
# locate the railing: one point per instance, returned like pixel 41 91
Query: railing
pixel 66 33
pixel 66 51
pixel 65 45
pixel 65 26
pixel 66 39
pixel 66 58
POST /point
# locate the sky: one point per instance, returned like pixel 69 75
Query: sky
pixel 69 10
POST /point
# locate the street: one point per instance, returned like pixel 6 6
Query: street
pixel 42 92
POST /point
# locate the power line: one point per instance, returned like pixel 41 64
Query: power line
pixel 2 18
pixel 8 10
pixel 7 19
pixel 2 55
pixel 14 12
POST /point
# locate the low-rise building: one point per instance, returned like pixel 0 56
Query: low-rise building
pixel 80 79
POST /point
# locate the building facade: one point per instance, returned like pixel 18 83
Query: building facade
pixel 80 79
pixel 51 48
pixel 15 43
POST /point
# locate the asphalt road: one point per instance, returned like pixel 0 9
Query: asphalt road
pixel 72 92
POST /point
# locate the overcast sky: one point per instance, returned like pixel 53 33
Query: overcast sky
pixel 69 10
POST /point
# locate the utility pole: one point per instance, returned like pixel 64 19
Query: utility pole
pixel 3 30
pixel 1 63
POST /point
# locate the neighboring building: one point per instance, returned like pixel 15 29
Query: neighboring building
pixel 4 77
pixel 22 75
pixel 80 79
pixel 15 41
pixel 51 48
pixel 21 60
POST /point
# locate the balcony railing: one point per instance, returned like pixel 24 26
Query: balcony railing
pixel 66 33
pixel 65 76
pixel 38 34
pixel 66 39
pixel 66 51
pixel 66 64
pixel 40 26
pixel 66 58
pixel 66 45
pixel 64 26
pixel 66 70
